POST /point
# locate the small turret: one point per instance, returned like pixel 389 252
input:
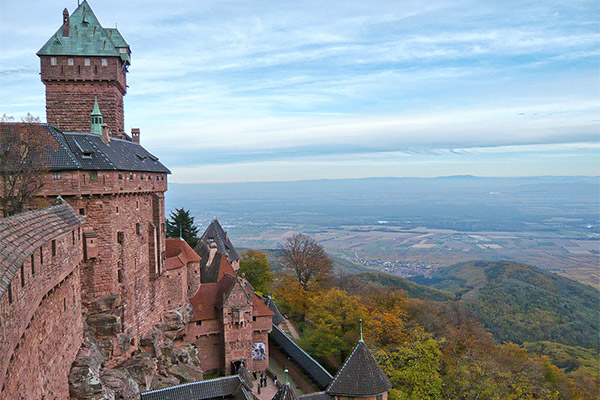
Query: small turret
pixel 97 119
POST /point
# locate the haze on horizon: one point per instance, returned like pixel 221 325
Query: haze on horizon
pixel 228 91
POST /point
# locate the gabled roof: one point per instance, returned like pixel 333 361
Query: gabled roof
pixel 25 233
pixel 179 253
pixel 360 376
pixel 215 233
pixel 285 392
pixel 226 387
pixel 86 151
pixel 86 37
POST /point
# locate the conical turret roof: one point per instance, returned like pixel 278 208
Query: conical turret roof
pixel 285 393
pixel 360 376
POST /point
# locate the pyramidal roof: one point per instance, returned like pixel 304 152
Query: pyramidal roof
pixel 360 376
pixel 86 38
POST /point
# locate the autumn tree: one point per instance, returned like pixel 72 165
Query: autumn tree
pixel 25 154
pixel 307 260
pixel 255 267
pixel 291 296
pixel 181 224
pixel 335 316
pixel 414 367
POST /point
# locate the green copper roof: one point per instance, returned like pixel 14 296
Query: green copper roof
pixel 86 37
pixel 97 119
pixel 96 110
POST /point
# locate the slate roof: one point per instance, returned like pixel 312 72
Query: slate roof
pixel 215 233
pixel 310 366
pixel 179 253
pixel 285 392
pixel 86 151
pixel 316 396
pixel 360 376
pixel 86 38
pixel 226 387
pixel 277 317
pixel 25 233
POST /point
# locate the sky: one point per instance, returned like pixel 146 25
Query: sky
pixel 242 91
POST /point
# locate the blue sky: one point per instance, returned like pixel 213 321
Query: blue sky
pixel 278 90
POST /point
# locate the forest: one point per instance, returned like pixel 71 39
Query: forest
pixel 434 344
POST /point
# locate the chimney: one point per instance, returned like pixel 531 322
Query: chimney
pixel 66 26
pixel 135 135
pixel 105 134
pixel 212 252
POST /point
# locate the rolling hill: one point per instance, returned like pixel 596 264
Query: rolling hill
pixel 521 303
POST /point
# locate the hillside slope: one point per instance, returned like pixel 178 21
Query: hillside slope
pixel 366 282
pixel 521 303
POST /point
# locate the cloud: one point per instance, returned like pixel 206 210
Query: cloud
pixel 277 81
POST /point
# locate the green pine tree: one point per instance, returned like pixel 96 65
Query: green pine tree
pixel 181 223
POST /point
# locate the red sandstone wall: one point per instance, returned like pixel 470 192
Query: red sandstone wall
pixel 210 353
pixel 42 326
pixel 237 337
pixel 193 278
pixel 176 287
pixel 132 268
pixel 79 183
pixel 71 90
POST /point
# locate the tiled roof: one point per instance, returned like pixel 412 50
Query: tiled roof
pixel 205 302
pixel 226 387
pixel 25 233
pixel 210 296
pixel 277 317
pixel 86 38
pixel 360 376
pixel 179 253
pixel 214 232
pixel 285 392
pixel 308 364
pixel 86 151
pixel 260 309
pixel 316 396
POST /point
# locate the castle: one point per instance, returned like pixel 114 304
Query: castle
pixel 95 301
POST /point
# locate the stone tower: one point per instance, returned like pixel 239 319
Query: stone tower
pixel 80 62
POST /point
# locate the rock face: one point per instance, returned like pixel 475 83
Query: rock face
pixel 157 363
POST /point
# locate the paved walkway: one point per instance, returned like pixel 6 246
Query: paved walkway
pixel 267 392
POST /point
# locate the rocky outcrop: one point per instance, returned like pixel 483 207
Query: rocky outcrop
pixel 157 362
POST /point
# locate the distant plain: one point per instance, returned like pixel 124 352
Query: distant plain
pixel 413 226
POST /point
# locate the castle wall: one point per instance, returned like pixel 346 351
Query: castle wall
pixel 41 325
pixel 176 283
pixel 193 278
pixel 237 328
pixel 126 212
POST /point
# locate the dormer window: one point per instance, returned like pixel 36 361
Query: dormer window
pixel 70 61
pixel 53 61
pixel 87 62
pixel 123 50
pixel 104 62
